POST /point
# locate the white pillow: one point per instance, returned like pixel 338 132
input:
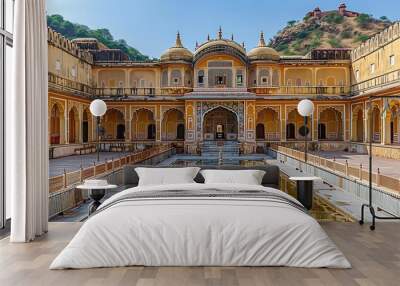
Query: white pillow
pixel 166 176
pixel 248 177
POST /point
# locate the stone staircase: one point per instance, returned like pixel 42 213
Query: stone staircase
pixel 212 149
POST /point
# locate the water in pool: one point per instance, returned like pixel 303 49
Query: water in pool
pixel 214 162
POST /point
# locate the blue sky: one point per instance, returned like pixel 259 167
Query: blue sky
pixel 151 25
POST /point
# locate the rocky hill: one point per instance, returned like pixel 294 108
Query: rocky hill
pixel 329 29
pixel 73 31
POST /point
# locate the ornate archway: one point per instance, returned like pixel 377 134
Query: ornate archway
pixel 376 124
pixel 114 125
pixel 294 124
pixel 394 125
pixel 330 125
pixel 86 126
pixel 357 125
pixel 143 125
pixel 55 124
pixel 203 108
pixel 220 123
pixel 73 125
pixel 269 119
pixel 172 124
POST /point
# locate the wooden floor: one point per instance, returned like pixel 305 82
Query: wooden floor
pixel 375 257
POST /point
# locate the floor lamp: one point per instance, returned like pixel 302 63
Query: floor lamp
pixel 305 109
pixel 369 205
pixel 98 108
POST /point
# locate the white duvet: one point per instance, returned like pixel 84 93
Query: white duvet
pixel 200 231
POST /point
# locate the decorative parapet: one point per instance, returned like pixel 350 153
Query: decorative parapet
pixel 381 39
pixel 56 39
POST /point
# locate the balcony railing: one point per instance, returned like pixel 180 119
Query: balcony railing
pixel 63 84
pixel 306 90
pixel 380 81
pixel 123 91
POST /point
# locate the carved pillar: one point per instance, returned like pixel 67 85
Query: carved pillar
pixel 66 122
pixel 283 123
pixel 367 117
pixel 80 123
pixel 346 115
pixel 314 124
pixel 128 118
pixel 157 118
pixel 385 127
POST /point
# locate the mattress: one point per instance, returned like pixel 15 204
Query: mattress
pixel 201 225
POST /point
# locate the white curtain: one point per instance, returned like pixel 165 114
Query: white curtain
pixel 26 124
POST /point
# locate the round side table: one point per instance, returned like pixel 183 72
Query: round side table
pixel 96 193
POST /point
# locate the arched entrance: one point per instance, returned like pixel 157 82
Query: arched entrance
pixel 73 125
pixel 360 126
pixel 376 125
pixel 394 125
pixel 260 131
pixel 55 125
pixel 330 126
pixel 173 125
pixel 121 131
pixel 180 131
pixel 85 127
pixel 143 125
pixel 114 125
pixel 151 131
pixel 290 131
pixel 321 131
pixel 295 126
pixel 268 123
pixel 220 123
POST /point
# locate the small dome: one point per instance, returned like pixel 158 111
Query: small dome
pixel 262 52
pixel 177 52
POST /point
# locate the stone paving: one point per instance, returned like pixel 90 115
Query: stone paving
pixel 388 167
pixel 73 163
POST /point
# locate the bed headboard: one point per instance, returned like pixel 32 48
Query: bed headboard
pixel 270 179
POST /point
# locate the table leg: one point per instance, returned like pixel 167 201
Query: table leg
pixel 96 196
pixel 305 193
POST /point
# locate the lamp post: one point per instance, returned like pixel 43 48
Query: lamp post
pixel 305 109
pixel 369 205
pixel 98 107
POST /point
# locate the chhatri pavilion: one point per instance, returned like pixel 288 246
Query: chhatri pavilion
pixel 223 91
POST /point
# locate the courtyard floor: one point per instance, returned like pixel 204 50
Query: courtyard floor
pixel 73 163
pixel 388 167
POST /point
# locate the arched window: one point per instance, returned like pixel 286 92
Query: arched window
pixel 164 78
pixel 200 77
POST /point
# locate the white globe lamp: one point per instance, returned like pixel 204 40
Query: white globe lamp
pixel 98 108
pixel 305 107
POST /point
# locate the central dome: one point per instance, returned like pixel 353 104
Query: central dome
pixel 177 52
pixel 220 46
pixel 262 52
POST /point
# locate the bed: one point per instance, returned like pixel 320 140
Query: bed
pixel 198 224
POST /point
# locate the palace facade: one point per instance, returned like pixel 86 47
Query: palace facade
pixel 222 89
